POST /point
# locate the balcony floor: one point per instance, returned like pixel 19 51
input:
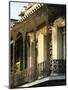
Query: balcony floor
pixel 48 81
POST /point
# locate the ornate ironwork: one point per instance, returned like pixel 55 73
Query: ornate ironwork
pixel 58 66
pixel 50 43
pixel 29 75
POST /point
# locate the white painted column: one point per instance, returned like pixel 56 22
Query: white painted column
pixel 32 50
pixel 57 38
pixel 42 54
pixel 56 43
pixel 56 50
pixel 40 48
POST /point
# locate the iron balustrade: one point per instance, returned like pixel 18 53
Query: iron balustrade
pixel 31 74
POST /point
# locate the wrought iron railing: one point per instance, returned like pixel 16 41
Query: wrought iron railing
pixel 58 66
pixel 31 73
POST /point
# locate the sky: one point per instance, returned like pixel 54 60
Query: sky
pixel 15 9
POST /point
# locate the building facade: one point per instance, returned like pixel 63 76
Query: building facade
pixel 12 22
pixel 38 49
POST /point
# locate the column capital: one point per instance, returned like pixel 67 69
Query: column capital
pixel 60 22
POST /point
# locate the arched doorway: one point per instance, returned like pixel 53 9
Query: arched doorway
pixel 19 52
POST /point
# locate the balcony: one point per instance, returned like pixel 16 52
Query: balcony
pixel 31 74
